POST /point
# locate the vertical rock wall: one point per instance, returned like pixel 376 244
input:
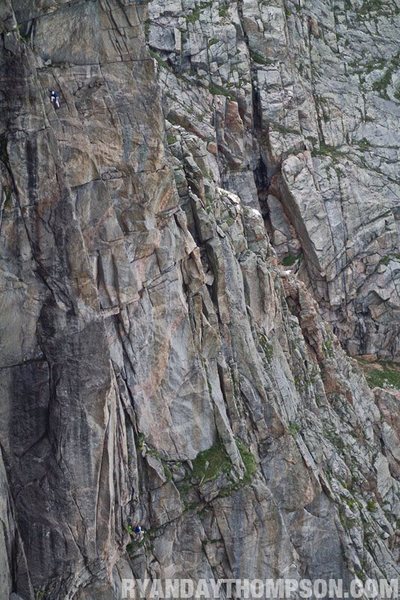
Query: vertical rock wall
pixel 158 366
pixel 305 101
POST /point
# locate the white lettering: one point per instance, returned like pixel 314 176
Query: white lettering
pixel 128 588
pixel 389 589
pixel 187 588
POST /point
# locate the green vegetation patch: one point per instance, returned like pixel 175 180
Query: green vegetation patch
pixel 171 139
pixel 384 378
pixel 218 90
pixel 294 428
pixel 364 144
pixel 158 58
pixel 259 58
pixel 335 438
pixel 373 6
pixel 266 346
pixel 289 260
pixel 328 347
pixel 249 461
pixel 326 150
pixel 383 82
pixel 351 502
pixel 386 259
pixel 208 466
pixel 347 521
pixel 195 14
pixel 304 381
pixel 283 129
pixel 211 463
pixel 374 65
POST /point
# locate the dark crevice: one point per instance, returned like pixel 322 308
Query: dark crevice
pixel 262 181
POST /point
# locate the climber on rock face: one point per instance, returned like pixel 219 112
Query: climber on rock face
pixel 55 98
pixel 138 533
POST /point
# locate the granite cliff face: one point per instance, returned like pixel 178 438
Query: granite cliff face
pixel 306 98
pixel 159 362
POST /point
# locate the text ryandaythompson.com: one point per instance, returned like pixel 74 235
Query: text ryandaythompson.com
pixel 185 589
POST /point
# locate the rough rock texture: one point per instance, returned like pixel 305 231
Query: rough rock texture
pixel 306 95
pixel 158 365
pixel 350 210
